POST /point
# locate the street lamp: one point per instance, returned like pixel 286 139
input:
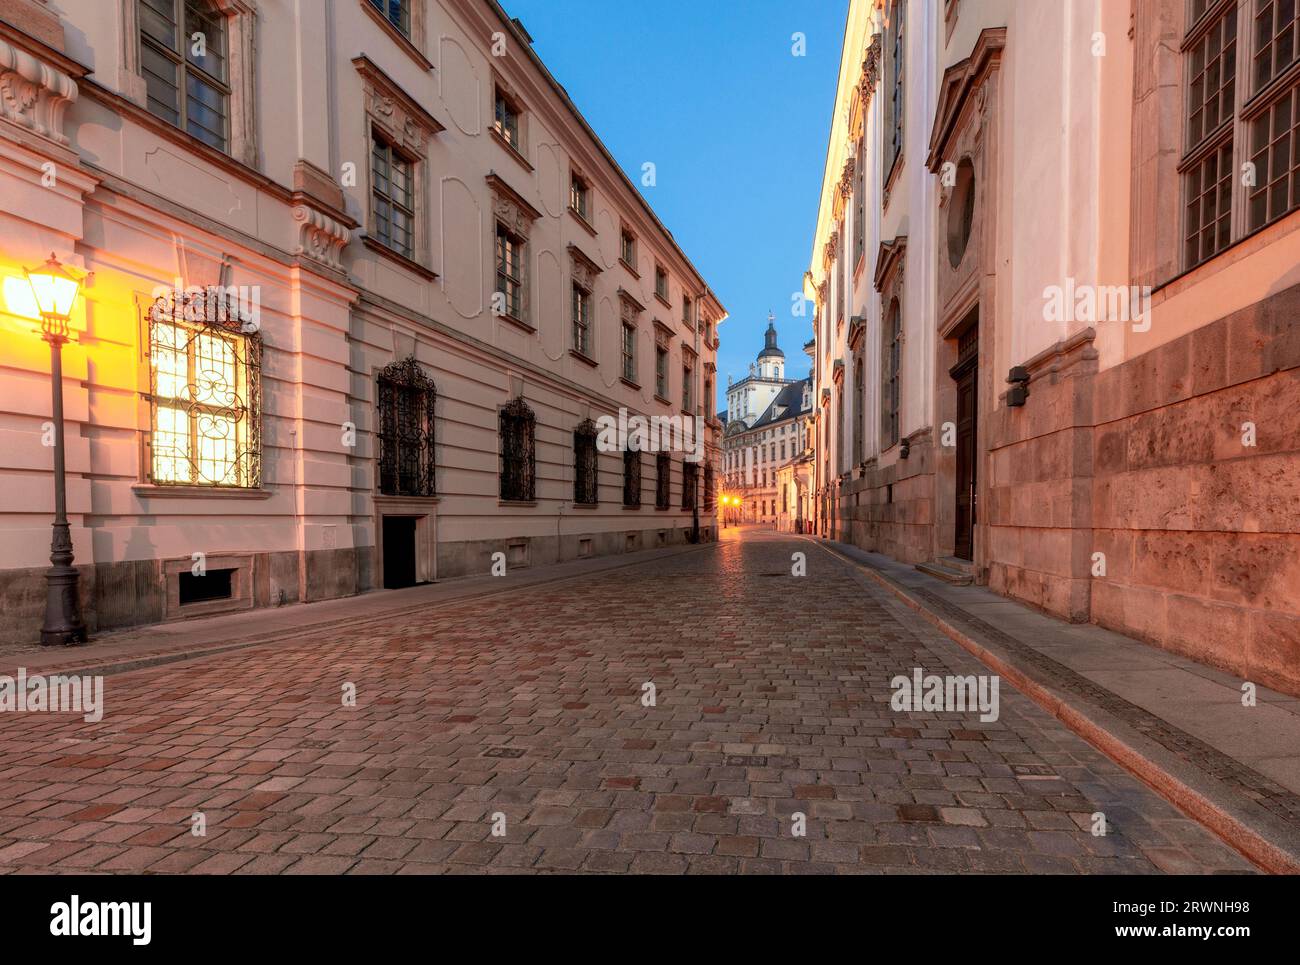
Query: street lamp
pixel 55 289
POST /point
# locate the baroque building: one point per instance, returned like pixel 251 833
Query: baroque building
pixel 357 287
pixel 766 429
pixel 1057 336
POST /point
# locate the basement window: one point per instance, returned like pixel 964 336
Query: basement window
pixel 213 585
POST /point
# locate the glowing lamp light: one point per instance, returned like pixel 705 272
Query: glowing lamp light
pixel 54 289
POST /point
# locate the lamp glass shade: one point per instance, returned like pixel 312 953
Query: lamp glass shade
pixel 54 289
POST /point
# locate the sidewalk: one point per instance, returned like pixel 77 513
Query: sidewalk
pixel 1178 725
pixel 132 648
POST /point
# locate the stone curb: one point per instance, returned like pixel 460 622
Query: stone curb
pixel 118 665
pixel 1270 843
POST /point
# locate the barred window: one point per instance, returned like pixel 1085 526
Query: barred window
pixel 893 375
pixel 184 56
pixel 710 490
pixel 629 352
pixel 663 481
pixel 392 191
pixel 584 464
pixel 632 478
pixel 690 480
pixel 580 308
pixel 518 452
pixel 510 271
pixel 396 12
pixel 205 364
pixel 407 399
pixel 1251 127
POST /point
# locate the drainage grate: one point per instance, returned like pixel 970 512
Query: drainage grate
pixel 511 752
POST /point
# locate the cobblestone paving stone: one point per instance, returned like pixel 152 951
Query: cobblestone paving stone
pixel 772 698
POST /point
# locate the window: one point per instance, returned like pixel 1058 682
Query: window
pixel 661 371
pixel 392 193
pixel 688 387
pixel 663 480
pixel 894 106
pixel 184 59
pixel 579 197
pixel 406 406
pixel 629 352
pixel 518 452
pixel 584 464
pixel 710 490
pixel 506 122
pixel 205 366
pixel 632 478
pixel 859 399
pixel 686 311
pixel 1229 126
pixel 860 202
pixel 627 248
pixel 661 282
pixel 397 12
pixel 708 397
pixel 690 483
pixel 510 271
pixel 581 310
pixel 893 354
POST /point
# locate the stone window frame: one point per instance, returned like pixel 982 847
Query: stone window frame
pixel 629 312
pixel 516 216
pixel 894 128
pixel 583 272
pixel 241 36
pixel 504 92
pixel 394 116
pixel 414 40
pixel 890 262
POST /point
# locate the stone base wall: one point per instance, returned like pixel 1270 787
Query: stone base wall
pixel 890 509
pixel 135 593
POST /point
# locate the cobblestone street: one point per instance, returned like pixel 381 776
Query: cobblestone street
pixel 529 705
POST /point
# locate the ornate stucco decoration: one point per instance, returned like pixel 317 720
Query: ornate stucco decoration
pixel 395 112
pixel 629 309
pixel 584 270
pixel 320 236
pixel 34 94
pixel 510 208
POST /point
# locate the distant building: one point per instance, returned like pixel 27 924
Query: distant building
pixel 766 429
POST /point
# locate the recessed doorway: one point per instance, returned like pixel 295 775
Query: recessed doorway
pixel 399 552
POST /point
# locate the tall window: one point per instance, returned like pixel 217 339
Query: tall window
pixel 1252 127
pixel 860 202
pixel 629 352
pixel 690 483
pixel 392 193
pixel 581 312
pixel 407 399
pixel 184 56
pixel 579 197
pixel 686 310
pixel 627 248
pixel 632 478
pixel 506 121
pixel 205 367
pixel 708 397
pixel 518 452
pixel 894 106
pixel 396 12
pixel 688 386
pixel 661 372
pixel 584 464
pixel 661 283
pixel 663 480
pixel 859 399
pixel 710 490
pixel 510 271
pixel 893 375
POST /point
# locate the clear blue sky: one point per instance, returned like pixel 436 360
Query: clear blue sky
pixel 735 124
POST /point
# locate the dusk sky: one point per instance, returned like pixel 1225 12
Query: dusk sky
pixel 714 97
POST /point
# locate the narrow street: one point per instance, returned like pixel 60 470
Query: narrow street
pixel 526 713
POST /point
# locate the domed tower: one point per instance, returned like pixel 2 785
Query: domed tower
pixel 771 361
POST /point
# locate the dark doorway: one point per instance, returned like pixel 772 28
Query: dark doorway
pixel 399 552
pixel 966 375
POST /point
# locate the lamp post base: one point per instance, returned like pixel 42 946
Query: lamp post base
pixel 63 626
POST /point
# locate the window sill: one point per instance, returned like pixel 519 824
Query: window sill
pixel 399 38
pixel 590 228
pixel 634 509
pixel 519 322
pixel 510 149
pixel 583 357
pixel 632 271
pixel 660 398
pixel 629 383
pixel 577 505
pixel 521 503
pixel 663 300
pixel 411 265
pixel 200 492
pixel 388 499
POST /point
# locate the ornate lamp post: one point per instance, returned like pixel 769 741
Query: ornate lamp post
pixel 55 290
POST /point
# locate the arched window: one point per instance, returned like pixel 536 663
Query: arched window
pixel 584 464
pixel 407 400
pixel 205 364
pixel 518 452
pixel 185 59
